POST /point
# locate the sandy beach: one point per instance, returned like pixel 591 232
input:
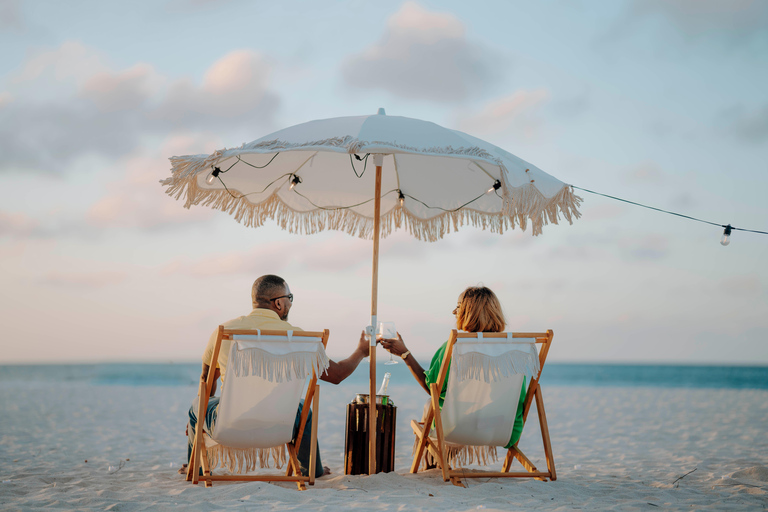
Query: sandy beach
pixel 85 447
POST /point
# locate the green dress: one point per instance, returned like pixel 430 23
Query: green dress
pixel 433 373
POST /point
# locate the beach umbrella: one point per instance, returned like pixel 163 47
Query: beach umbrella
pixel 369 175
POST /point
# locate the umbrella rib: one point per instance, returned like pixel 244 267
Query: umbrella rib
pixel 397 173
pixel 483 169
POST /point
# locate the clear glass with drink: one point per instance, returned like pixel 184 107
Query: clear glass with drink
pixel 386 330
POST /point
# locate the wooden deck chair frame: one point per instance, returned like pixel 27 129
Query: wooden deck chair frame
pixel 199 457
pixel 436 446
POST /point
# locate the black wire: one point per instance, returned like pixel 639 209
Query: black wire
pixel 341 207
pixel 365 159
pixel 255 166
pixel 250 193
pixel 443 209
pixel 670 213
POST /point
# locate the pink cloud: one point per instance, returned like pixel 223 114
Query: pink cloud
pixel 425 55
pixel 122 90
pixel 17 224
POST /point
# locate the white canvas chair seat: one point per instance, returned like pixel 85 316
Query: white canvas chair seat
pixel 481 399
pixel 266 376
pixel 484 385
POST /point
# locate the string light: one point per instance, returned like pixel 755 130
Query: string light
pixel 726 239
pixel 295 180
pixel 213 175
pixel 496 186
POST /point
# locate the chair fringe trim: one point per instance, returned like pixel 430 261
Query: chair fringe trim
pixel 245 460
pixel 520 204
pixel 279 368
pixel 458 455
pixel 477 366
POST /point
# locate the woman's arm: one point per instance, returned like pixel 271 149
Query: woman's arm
pixel 397 347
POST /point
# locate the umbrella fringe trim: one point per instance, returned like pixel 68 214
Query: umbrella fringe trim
pixel 538 209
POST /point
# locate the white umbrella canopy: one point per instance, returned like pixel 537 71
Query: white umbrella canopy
pixel 443 176
pixel 427 179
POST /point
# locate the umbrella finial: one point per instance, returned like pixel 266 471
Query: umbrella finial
pixel 381 112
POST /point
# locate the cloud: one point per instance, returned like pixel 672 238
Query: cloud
pixel 17 225
pixel 84 280
pixel 66 103
pixel 71 63
pixel 123 90
pixel 423 55
pixel 10 15
pixel 514 114
pixel 137 200
pixel 235 88
pixel 747 126
pixel 732 22
pixel 734 19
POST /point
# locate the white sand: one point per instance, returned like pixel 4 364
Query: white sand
pixel 615 449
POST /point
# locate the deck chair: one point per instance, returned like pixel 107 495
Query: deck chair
pixel 266 374
pixel 486 375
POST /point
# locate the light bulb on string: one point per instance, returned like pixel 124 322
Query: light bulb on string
pixel 496 186
pixel 726 239
pixel 401 197
pixel 213 175
pixel 294 181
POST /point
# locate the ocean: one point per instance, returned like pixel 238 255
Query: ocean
pixel 555 374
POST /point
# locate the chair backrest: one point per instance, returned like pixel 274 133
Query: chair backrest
pixel 484 385
pixel 267 372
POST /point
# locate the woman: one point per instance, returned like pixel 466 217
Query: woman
pixel 478 310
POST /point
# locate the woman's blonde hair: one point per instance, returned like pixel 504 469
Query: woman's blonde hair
pixel 479 310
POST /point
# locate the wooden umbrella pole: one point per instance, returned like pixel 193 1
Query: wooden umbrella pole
pixel 378 160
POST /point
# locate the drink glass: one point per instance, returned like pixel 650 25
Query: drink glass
pixel 387 330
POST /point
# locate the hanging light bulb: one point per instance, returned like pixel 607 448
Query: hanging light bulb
pixel 401 197
pixel 726 239
pixel 213 175
pixel 496 186
pixel 294 181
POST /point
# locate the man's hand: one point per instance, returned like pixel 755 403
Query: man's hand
pixel 337 372
pixel 364 345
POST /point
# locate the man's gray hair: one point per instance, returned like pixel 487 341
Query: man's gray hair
pixel 265 288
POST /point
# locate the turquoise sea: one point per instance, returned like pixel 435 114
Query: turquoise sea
pixel 555 374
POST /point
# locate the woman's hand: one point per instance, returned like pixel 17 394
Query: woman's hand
pixel 394 346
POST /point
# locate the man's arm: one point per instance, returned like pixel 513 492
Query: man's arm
pixel 216 375
pixel 337 372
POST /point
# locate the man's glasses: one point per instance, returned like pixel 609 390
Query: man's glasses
pixel 289 297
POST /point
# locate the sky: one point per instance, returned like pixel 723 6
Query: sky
pixel 664 103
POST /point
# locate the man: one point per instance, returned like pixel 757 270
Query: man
pixel 272 300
